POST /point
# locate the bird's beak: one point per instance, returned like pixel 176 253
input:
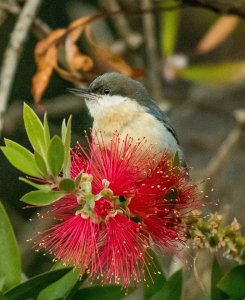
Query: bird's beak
pixel 83 93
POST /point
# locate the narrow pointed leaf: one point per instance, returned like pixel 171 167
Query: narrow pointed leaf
pixel 32 287
pixel 58 289
pixel 40 162
pixel 171 289
pixel 46 131
pixel 78 179
pixel 10 264
pixel 34 129
pixel 216 293
pixel 21 158
pixel 156 280
pixel 42 198
pixel 63 130
pixel 67 144
pixel 101 293
pixel 233 283
pixel 55 155
pixel 43 187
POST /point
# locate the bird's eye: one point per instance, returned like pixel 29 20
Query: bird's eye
pixel 106 91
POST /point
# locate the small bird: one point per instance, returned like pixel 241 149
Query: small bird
pixel 119 103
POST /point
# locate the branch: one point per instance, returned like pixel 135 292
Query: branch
pixel 226 148
pixel 236 7
pixel 13 52
pixel 149 27
pixel 39 28
pixel 132 39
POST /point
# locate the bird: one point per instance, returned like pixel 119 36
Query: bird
pixel 119 103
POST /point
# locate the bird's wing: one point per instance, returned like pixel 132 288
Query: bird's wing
pixel 161 116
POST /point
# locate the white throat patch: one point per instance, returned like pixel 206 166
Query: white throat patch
pixel 104 103
pixel 110 101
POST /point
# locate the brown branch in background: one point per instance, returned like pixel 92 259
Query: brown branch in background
pixel 104 15
pixel 227 147
pixel 153 59
pixel 14 50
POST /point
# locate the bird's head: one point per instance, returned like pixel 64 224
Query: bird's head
pixel 112 90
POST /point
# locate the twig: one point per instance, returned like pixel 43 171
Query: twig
pixel 13 52
pixel 40 28
pixel 226 148
pixel 132 39
pixel 3 16
pixel 3 12
pixel 151 48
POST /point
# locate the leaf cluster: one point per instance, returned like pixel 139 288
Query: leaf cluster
pixel 48 165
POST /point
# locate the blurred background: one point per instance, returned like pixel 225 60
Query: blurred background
pixel 192 61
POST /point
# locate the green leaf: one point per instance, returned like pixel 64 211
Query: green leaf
pixel 2 297
pixel 2 281
pixel 43 187
pixel 63 130
pixel 67 185
pixel 78 179
pixel 66 138
pixel 233 283
pixel 59 288
pixel 10 264
pixel 40 163
pixel 216 294
pixel 223 73
pixel 71 294
pixel 171 289
pixel 34 129
pixel 101 293
pixel 41 198
pixel 32 287
pixel 156 279
pixel 21 158
pixel 55 155
pixel 46 131
pixel 169 28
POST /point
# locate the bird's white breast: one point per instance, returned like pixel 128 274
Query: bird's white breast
pixel 119 113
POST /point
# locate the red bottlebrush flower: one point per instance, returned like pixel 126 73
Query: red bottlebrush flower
pixel 128 200
pixel 122 257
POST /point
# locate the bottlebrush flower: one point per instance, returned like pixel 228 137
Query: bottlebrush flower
pixel 128 200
